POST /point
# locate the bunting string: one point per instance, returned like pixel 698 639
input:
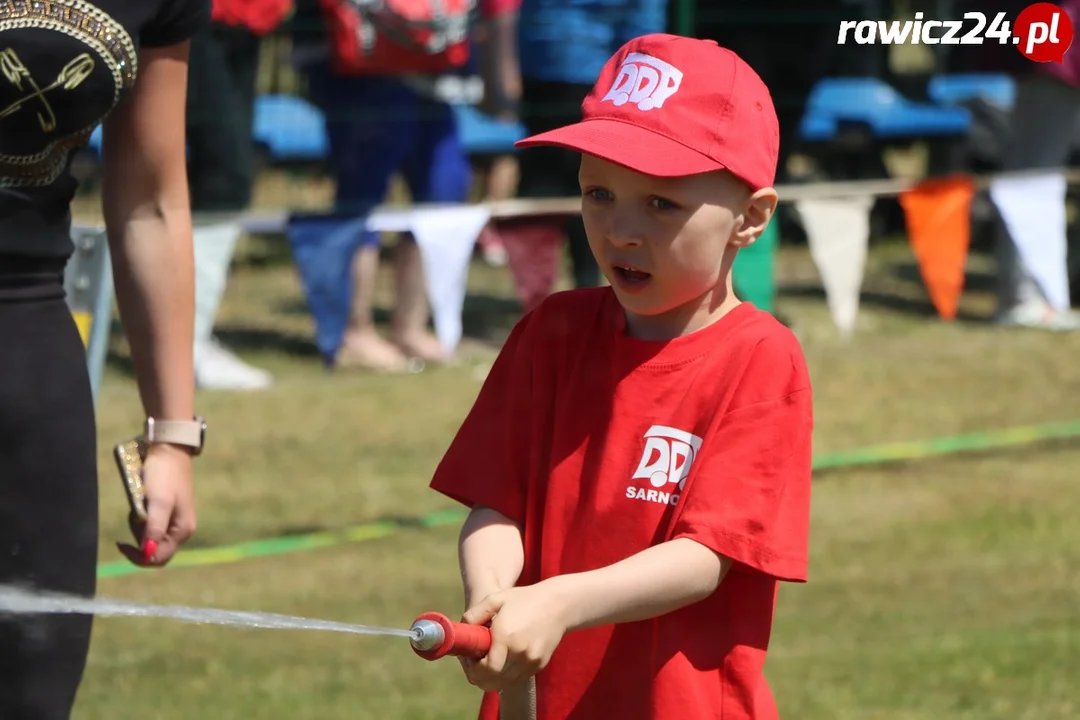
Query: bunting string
pixel 835 216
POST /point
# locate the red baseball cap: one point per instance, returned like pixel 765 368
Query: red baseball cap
pixel 669 106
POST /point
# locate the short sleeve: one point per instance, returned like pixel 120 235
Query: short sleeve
pixel 749 495
pixel 487 461
pixel 175 22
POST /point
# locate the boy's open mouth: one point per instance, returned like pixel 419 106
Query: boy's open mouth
pixel 631 274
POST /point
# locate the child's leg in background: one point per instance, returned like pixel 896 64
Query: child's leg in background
pixel 437 171
pixel 500 183
pixel 371 127
pixel 222 74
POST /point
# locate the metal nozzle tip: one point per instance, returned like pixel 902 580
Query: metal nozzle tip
pixel 426 635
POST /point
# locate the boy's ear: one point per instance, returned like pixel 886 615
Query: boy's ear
pixel 758 211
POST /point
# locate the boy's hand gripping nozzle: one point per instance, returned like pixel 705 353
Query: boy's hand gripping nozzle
pixel 434 635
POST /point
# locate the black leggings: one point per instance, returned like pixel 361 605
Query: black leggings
pixel 48 489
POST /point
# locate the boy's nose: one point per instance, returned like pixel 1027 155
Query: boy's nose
pixel 625 232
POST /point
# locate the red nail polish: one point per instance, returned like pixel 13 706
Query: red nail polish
pixel 149 548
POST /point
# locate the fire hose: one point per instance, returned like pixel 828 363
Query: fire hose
pixel 434 636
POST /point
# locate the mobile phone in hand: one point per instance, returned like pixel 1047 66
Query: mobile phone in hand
pixel 129 461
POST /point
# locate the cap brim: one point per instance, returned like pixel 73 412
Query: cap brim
pixel 631 146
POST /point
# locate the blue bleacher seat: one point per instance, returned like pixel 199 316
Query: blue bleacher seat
pixel 994 88
pixel 887 113
pixel 291 128
pixel 481 134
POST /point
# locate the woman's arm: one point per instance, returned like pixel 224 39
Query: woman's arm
pixel 148 219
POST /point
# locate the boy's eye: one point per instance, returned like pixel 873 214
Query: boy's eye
pixel 661 204
pixel 598 194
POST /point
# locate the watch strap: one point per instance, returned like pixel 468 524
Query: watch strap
pixel 189 433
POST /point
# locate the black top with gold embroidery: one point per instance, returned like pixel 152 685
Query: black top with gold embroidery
pixel 64 64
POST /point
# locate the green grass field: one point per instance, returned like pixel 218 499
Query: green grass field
pixel 942 588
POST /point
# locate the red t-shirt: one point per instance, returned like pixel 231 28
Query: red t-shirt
pixel 602 445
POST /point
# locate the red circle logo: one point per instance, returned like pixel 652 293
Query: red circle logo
pixel 1043 32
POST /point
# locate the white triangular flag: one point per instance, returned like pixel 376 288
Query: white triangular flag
pixel 391 219
pixel 446 237
pixel 838 231
pixel 1033 210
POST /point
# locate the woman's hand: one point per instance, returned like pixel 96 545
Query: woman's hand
pixel 170 505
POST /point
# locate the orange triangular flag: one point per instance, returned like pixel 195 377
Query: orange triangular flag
pixel 938 214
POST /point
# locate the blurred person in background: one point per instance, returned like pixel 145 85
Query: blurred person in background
pixel 124 65
pixel 1043 129
pixel 561 47
pixel 500 183
pixel 792 45
pixel 379 126
pixel 222 76
pixel 497 65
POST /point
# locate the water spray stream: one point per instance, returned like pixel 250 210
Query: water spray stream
pixel 431 636
pixel 20 601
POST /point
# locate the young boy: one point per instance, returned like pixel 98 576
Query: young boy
pixel 638 460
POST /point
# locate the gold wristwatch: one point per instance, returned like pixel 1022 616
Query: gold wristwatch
pixel 189 433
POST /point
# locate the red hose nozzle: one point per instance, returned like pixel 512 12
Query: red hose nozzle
pixel 435 635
